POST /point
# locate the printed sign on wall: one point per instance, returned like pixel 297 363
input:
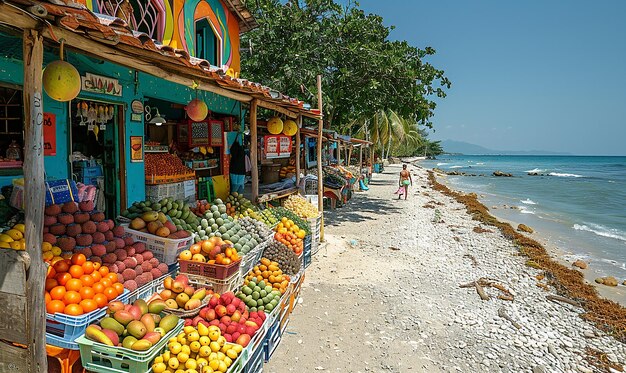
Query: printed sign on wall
pixel 277 146
pixel 49 134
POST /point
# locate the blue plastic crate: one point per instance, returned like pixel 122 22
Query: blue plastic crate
pixel 306 260
pixel 91 180
pixel 255 363
pixel 272 339
pixel 91 171
pixel 64 329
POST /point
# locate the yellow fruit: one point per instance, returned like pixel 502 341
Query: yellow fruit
pixel 193 336
pixel 222 341
pixel 207 369
pixel 204 340
pixel 22 244
pixel 214 346
pixel 191 364
pixel 176 348
pixel 159 367
pixel 231 353
pixel 158 359
pixel 16 245
pixel 204 351
pixel 237 348
pixel 182 357
pixel 5 245
pixel 5 238
pixel 46 246
pixel 228 361
pixel 214 334
pixel 166 356
pixel 213 356
pixel 56 251
pixel 15 234
pixel 20 227
pixel 173 363
pixel 47 256
pixel 195 346
pixel 202 362
pixel 222 366
pixel 203 330
pixel 188 329
pixel 214 364
pixel 186 350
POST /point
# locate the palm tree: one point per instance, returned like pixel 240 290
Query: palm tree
pixel 386 128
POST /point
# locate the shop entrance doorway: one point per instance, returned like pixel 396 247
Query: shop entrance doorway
pixel 97 151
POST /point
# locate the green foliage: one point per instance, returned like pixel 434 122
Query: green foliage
pixel 364 73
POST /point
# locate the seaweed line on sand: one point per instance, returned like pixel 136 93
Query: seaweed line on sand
pixel 605 314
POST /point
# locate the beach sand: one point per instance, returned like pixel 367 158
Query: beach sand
pixel 384 296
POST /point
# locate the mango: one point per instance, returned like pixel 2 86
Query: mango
pixel 182 299
pixel 156 306
pixel 192 304
pixel 113 336
pixel 137 224
pixel 161 217
pixel 199 294
pixel 123 317
pixel 143 306
pixel 112 324
pixel 141 345
pixel 137 329
pixel 152 337
pixel 129 341
pixel 148 321
pixel 115 306
pixel 168 322
pixel 94 333
pixel 150 216
pixel 135 311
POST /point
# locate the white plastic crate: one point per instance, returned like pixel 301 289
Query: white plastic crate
pixel 252 258
pixel 164 249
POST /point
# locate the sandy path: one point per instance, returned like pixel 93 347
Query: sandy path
pixel 368 308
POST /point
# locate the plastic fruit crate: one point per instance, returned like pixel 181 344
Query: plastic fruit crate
pixel 151 287
pixel 219 286
pixel 100 358
pixel 62 330
pixel 297 282
pixel 214 271
pixel 271 341
pixel 306 259
pixel 164 249
pixel 250 352
pixel 252 258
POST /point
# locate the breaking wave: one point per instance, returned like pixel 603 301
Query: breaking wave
pixel 600 230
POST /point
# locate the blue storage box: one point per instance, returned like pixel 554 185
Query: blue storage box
pixel 272 339
pixel 61 191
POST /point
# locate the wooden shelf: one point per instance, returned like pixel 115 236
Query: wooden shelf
pixel 205 168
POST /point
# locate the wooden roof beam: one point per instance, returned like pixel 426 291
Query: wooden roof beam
pixel 280 109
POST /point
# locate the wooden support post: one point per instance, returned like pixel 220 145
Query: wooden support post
pixel 361 157
pixel 34 195
pixel 298 153
pixel 254 158
pixel 320 173
pixel 349 155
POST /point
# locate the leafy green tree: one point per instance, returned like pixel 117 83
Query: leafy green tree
pixel 364 73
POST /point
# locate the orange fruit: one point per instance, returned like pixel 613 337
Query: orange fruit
pixel 88 305
pixel 51 272
pixel 104 270
pixel 195 248
pixel 96 276
pixel 72 297
pixel 119 287
pixel 110 293
pixel 112 277
pixel 57 292
pixel 51 283
pixel 106 282
pixel 63 278
pixel 76 270
pixel 47 298
pixel 55 306
pixel 73 310
pixel 185 255
pixel 78 259
pixel 73 285
pixel 98 287
pixel 101 300
pixel 61 266
pixel 88 268
pixel 86 293
pixel 87 280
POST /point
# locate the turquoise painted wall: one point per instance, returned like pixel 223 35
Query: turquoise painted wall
pixel 135 86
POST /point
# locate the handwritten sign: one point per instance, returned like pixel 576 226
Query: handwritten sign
pixel 277 146
pixel 49 134
pixel 100 84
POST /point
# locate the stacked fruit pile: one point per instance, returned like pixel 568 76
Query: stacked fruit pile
pixel 269 272
pixel 286 171
pixel 134 265
pixel 281 212
pixel 259 296
pixel 166 165
pixel 255 230
pixel 72 225
pixel 216 223
pixel 289 234
pixel 287 260
pixel 181 214
pixel 212 251
pixel 13 238
pixel 137 327
pixel 156 223
pixel 197 349
pixel 237 204
pixel 77 286
pixel 178 293
pixel 301 207
pixel 268 217
pixel 229 314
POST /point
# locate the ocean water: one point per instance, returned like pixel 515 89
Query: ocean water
pixel 579 205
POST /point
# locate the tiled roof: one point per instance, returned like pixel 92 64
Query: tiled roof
pixel 115 33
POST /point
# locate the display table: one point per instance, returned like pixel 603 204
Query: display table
pixel 263 198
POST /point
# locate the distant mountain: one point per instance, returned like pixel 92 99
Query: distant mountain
pixel 461 147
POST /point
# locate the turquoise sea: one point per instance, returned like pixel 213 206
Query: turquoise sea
pixel 578 205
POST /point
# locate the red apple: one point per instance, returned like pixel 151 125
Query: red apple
pixel 203 312
pixel 241 329
pixel 225 319
pixel 250 330
pixel 214 300
pixel 229 338
pixel 210 315
pixel 220 311
pixel 188 322
pixel 231 328
pixel 230 309
pixel 236 335
pixel 222 328
pixel 215 322
pixel 196 320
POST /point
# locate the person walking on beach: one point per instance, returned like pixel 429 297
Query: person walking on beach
pixel 405 181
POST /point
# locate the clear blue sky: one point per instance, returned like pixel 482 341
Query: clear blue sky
pixel 527 75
